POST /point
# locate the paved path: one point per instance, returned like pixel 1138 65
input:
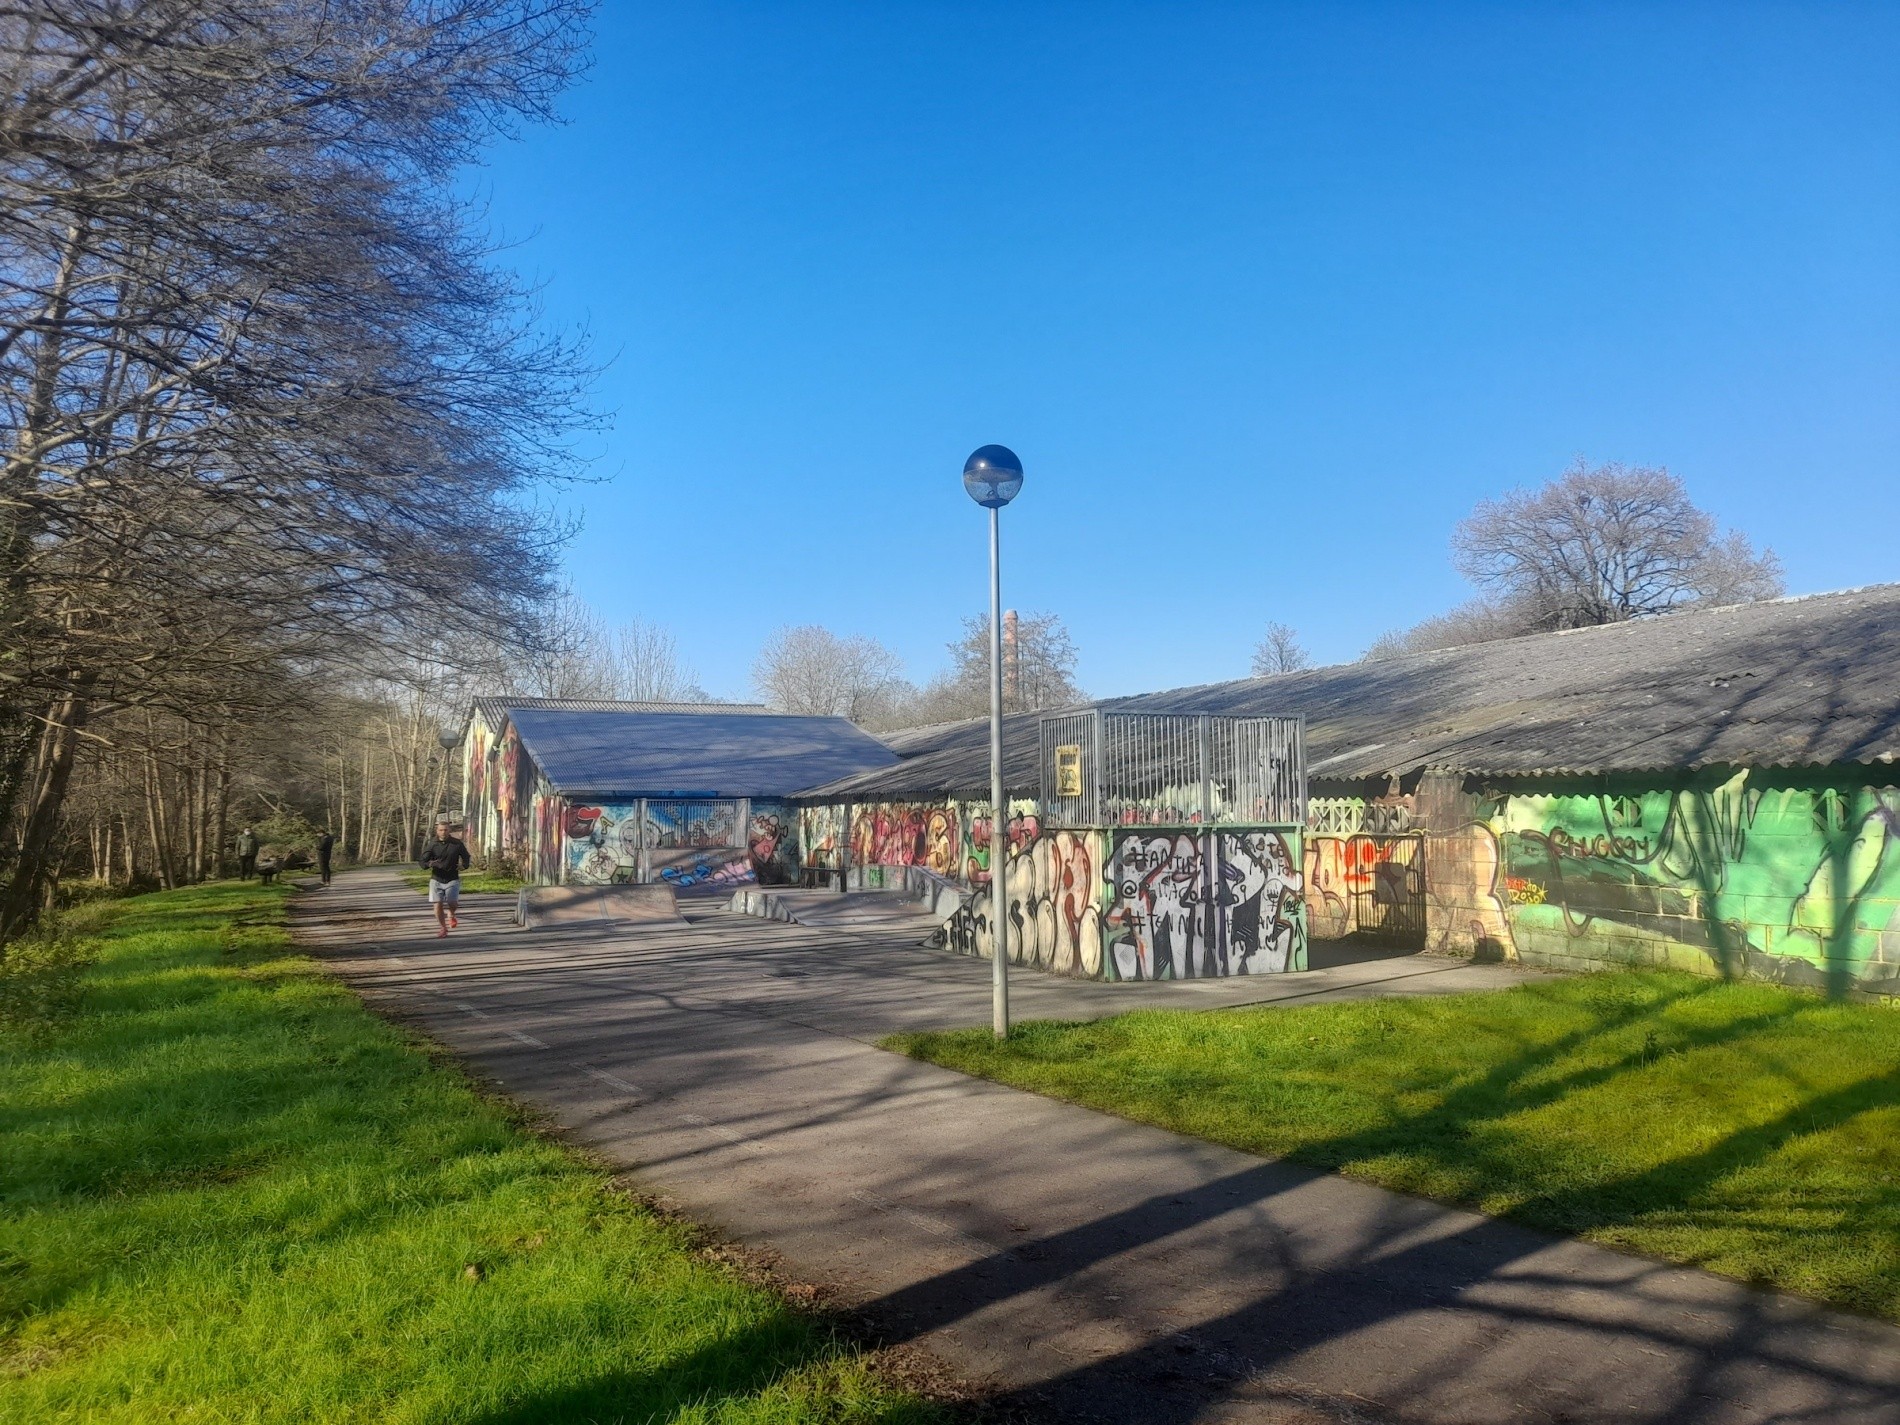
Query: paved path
pixel 1086 1267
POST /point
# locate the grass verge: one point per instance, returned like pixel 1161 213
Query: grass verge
pixel 474 882
pixel 1738 1127
pixel 228 1192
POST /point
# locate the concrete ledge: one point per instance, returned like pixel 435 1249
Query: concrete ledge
pixel 767 905
pixel 593 905
pixel 880 910
pixel 940 896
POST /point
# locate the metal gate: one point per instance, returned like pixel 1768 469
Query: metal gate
pixel 1385 882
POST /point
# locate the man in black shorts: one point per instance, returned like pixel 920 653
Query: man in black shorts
pixel 444 858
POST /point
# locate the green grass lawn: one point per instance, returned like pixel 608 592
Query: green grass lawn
pixel 472 881
pixel 1739 1127
pixel 229 1193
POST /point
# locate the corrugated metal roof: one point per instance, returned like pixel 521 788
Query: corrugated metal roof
pixel 1805 681
pixel 494 709
pixel 632 753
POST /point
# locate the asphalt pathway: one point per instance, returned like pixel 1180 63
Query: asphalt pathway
pixel 1080 1266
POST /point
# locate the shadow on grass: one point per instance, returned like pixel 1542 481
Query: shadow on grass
pixel 781 1361
pixel 1712 1350
pixel 213 1120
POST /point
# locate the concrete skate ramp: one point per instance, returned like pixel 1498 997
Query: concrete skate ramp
pixel 855 910
pixel 593 905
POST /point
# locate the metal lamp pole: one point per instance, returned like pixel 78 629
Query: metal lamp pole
pixel 448 742
pixel 993 476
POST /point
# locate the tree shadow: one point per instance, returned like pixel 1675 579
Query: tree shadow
pixel 791 1361
pixel 1387 1280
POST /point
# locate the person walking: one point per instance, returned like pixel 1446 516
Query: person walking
pixel 444 858
pixel 247 854
pixel 326 843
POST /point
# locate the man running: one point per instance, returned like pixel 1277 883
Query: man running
pixel 444 858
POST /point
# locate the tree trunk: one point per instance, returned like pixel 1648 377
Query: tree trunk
pixel 222 823
pixel 155 822
pixel 24 893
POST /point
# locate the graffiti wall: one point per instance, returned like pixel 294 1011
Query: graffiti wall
pixel 602 843
pixel 822 835
pixel 1761 873
pixel 1053 893
pixel 686 844
pixel 771 843
pixel 545 838
pixel 513 776
pixel 907 834
pixel 1800 884
pixel 1074 907
pixel 1022 831
pixel 1189 904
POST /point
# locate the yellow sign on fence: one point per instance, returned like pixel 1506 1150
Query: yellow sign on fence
pixel 1068 771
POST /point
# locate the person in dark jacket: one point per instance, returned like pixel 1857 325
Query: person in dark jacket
pixel 326 843
pixel 444 858
pixel 247 854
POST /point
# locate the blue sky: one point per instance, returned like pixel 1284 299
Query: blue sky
pixel 1266 297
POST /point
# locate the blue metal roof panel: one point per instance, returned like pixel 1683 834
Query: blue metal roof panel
pixel 693 754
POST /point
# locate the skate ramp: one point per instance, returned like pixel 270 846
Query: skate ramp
pixel 868 911
pixel 542 906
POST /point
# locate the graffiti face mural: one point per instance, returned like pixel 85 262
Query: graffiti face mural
pixel 1188 904
pixel 1256 899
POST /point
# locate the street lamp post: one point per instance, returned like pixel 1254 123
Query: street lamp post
pixel 994 476
pixel 447 741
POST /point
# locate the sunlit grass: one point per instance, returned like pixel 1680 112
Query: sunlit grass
pixel 1740 1127
pixel 228 1193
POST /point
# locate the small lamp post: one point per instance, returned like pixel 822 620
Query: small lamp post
pixel 994 476
pixel 448 741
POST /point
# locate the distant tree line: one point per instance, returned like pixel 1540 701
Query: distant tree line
pixel 809 669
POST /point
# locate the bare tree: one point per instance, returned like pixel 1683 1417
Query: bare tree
pixel 1607 544
pixel 580 654
pixel 263 399
pixel 1596 545
pixel 1279 651
pixel 648 666
pixel 809 669
pixel 1038 671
